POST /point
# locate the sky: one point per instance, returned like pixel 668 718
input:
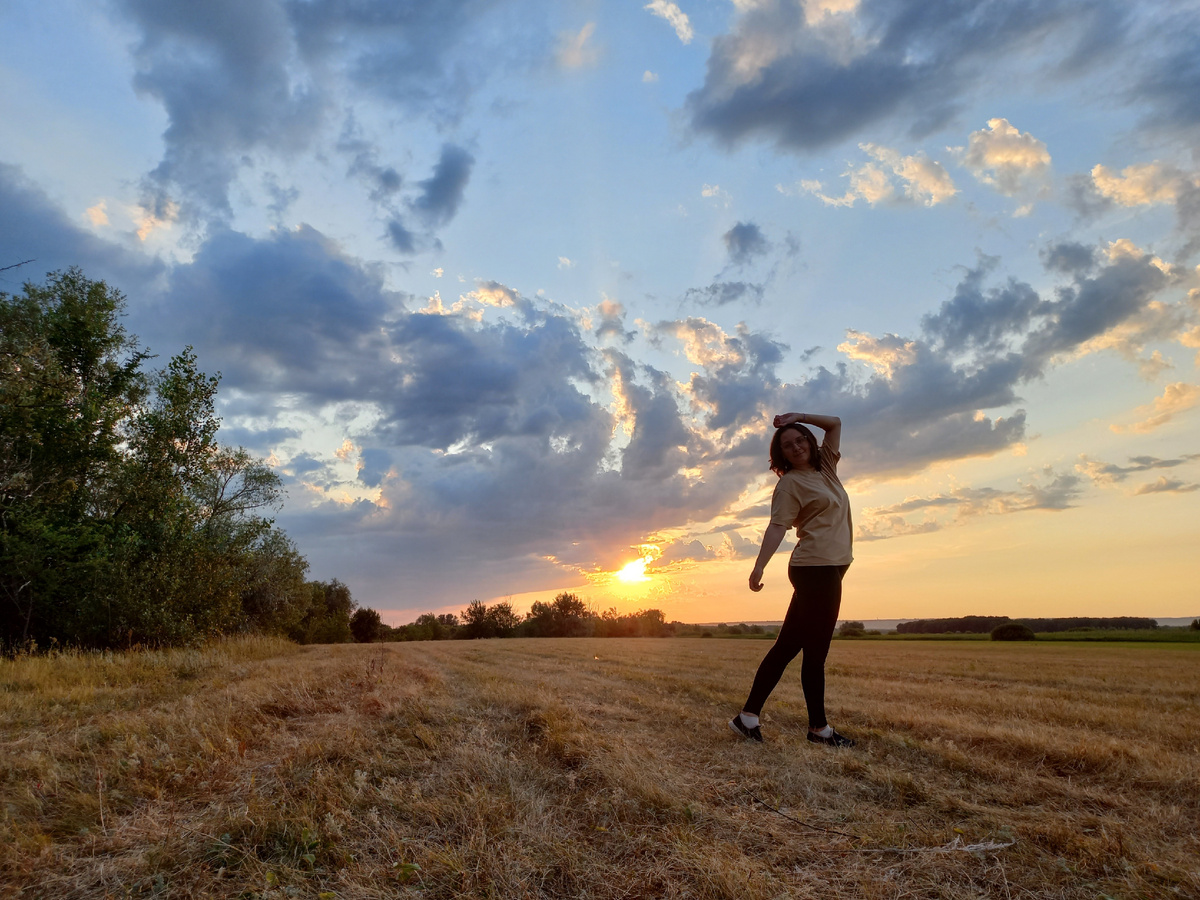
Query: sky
pixel 508 293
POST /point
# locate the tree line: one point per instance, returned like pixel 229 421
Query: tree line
pixel 987 624
pixel 123 521
pixel 565 616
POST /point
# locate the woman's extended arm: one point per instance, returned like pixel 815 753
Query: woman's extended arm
pixel 770 543
pixel 831 425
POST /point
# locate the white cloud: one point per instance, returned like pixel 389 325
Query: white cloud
pixel 649 77
pixel 884 354
pixel 1143 185
pixel 438 272
pixel 565 263
pixel 575 51
pixel 1002 156
pixel 674 16
pixel 919 178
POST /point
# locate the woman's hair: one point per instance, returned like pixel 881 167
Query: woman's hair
pixel 779 463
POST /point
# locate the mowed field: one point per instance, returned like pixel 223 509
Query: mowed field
pixel 599 768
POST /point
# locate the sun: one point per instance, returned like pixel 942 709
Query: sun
pixel 634 572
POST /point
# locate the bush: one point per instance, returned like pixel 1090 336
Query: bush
pixel 1195 626
pixel 852 629
pixel 1013 631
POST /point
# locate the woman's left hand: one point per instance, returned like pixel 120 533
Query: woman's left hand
pixel 787 419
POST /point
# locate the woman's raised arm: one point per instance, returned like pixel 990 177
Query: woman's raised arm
pixel 831 425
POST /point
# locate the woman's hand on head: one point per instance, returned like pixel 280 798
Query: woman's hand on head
pixel 786 419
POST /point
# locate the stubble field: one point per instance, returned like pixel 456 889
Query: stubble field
pixel 601 769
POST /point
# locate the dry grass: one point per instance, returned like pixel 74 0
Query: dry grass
pixel 598 768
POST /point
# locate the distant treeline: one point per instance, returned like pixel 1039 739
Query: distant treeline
pixel 986 624
pixel 122 519
pixel 565 616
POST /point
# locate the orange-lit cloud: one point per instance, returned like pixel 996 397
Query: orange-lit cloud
pixel 1176 398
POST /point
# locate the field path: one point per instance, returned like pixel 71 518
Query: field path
pixel 602 768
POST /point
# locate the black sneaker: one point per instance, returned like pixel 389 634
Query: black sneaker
pixel 834 740
pixel 753 734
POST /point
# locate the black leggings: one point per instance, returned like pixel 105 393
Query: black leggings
pixel 808 626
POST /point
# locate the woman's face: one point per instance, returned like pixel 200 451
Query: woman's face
pixel 795 449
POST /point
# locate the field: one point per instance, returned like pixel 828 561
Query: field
pixel 599 768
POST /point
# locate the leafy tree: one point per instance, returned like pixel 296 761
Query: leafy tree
pixel 366 626
pixel 328 618
pixel 852 629
pixel 121 517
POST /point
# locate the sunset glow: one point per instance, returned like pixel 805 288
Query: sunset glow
pixel 634 572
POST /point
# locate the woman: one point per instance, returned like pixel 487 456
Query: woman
pixel 810 497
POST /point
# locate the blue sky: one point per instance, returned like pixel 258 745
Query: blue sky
pixel 508 293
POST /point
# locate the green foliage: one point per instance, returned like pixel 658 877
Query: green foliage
pixel 852 629
pixel 366 626
pixel 327 618
pixel 1195 626
pixel 1013 631
pixel 122 520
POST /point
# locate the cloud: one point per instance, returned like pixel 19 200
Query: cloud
pixel 97 214
pixel 920 179
pixel 722 293
pixel 515 424
pixel 744 241
pixel 442 192
pixel 612 321
pixel 805 83
pixel 33 228
pixel 1166 485
pixel 565 263
pixel 574 49
pixel 649 77
pixel 1057 492
pixel 674 16
pixel 1143 185
pixel 1002 156
pixel 1176 398
pixel 1107 474
pixel 240 81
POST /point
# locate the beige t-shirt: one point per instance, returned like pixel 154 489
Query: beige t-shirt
pixel 817 505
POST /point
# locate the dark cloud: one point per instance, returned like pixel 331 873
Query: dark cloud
pixel 374 465
pixel 224 73
pixel 983 319
pixel 744 241
pixel 268 76
pixel 401 238
pixel 722 293
pixel 1069 258
pixel 442 193
pixel 818 85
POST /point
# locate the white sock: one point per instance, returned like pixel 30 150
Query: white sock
pixel 748 720
pixel 825 732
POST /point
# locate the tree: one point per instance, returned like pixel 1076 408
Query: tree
pixel 122 519
pixel 1013 631
pixel 852 629
pixel 327 620
pixel 366 626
